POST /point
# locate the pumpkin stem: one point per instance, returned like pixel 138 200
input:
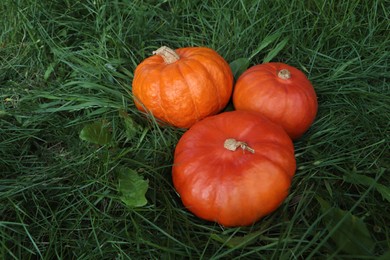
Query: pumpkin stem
pixel 284 74
pixel 232 145
pixel 169 55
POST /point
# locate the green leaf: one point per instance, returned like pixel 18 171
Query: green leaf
pixel 131 127
pixel 359 179
pixel 384 191
pixel 132 188
pixel 272 54
pixel 97 132
pixel 348 232
pixel 266 41
pixel 238 66
pixel 238 241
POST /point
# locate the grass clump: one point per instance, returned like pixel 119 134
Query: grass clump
pixel 66 64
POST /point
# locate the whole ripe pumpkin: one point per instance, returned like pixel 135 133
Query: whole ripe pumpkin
pixel 182 86
pixel 233 168
pixel 279 91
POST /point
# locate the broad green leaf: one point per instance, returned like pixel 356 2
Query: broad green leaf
pixel 97 132
pixel 131 127
pixel 272 54
pixel 132 188
pixel 237 241
pixel 238 66
pixel 368 181
pixel 348 232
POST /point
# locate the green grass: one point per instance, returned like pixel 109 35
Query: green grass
pixel 65 64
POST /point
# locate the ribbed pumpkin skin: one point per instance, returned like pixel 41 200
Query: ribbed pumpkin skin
pixel 233 188
pixel 292 103
pixel 197 85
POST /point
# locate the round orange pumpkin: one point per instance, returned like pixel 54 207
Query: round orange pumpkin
pixel 233 168
pixel 183 86
pixel 279 91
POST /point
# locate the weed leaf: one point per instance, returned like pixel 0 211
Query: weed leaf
pixel 132 188
pixel 131 127
pixel 272 54
pixel 97 132
pixel 348 232
pixel 238 66
pixel 368 181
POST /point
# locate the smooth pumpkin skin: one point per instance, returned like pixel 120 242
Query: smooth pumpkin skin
pixel 233 188
pixel 197 85
pixel 291 103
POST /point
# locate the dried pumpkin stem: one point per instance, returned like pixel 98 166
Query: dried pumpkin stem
pixel 169 55
pixel 232 144
pixel 284 74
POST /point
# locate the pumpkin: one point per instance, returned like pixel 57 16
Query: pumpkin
pixel 182 86
pixel 233 168
pixel 279 91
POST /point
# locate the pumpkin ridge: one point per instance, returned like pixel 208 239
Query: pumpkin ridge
pixel 313 92
pixel 212 80
pixel 140 90
pixel 267 69
pixel 251 85
pixel 137 80
pixel 189 89
pixel 247 130
pixel 166 115
pixel 281 150
pixel 278 166
pixel 285 101
pixel 189 198
pixel 302 91
pixel 226 73
pixel 274 141
pixel 277 141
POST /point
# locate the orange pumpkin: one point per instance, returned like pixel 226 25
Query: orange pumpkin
pixel 233 168
pixel 280 92
pixel 183 86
